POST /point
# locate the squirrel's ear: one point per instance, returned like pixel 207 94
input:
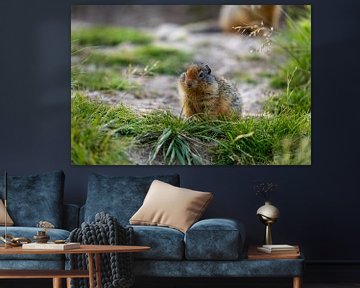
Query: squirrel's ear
pixel 208 69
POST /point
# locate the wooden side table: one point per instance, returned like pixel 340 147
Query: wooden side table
pixel 254 254
pixel 93 251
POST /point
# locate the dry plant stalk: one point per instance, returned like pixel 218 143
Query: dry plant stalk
pixel 258 30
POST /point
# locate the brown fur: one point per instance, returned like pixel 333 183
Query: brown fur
pixel 209 95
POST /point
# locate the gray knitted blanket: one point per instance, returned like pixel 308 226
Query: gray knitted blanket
pixel 116 268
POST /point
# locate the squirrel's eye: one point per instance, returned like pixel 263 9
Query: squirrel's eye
pixel 201 74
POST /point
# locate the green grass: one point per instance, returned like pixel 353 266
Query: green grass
pixel 294 80
pixel 295 42
pixel 162 59
pixel 108 36
pixel 101 80
pixel 294 152
pixel 291 100
pixel 294 77
pixel 91 142
pixel 173 140
pixel 256 140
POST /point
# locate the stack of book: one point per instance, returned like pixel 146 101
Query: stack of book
pixel 279 249
pixel 51 246
pixel 274 252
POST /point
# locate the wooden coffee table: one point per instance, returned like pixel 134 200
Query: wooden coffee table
pixel 57 275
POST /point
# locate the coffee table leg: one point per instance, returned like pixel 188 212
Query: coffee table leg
pixel 57 283
pixel 297 282
pixel 91 270
pixel 68 282
pixel 98 270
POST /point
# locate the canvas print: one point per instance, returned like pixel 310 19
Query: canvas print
pixel 191 85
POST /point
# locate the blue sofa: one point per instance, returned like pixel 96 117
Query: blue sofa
pixel 210 248
pixel 32 199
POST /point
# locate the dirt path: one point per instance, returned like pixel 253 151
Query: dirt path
pixel 228 55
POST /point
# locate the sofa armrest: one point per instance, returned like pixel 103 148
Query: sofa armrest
pixel 71 216
pixel 215 239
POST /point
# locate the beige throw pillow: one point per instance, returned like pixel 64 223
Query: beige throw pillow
pixel 170 206
pixel 10 222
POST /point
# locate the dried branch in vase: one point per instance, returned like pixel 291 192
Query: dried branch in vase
pixel 265 189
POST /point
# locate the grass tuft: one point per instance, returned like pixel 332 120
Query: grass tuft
pixel 91 142
pixel 294 152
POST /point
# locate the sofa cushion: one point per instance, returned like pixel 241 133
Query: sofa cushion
pixel 35 198
pixel 9 221
pixel 214 239
pixel 29 232
pixel 165 243
pixel 169 206
pixel 119 196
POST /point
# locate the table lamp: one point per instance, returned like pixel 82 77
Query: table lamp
pixel 268 214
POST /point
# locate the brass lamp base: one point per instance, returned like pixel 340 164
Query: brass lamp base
pixel 268 238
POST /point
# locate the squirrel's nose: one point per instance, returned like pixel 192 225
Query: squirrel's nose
pixel 189 84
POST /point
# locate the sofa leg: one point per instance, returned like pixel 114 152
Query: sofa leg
pixel 297 282
pixel 57 283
